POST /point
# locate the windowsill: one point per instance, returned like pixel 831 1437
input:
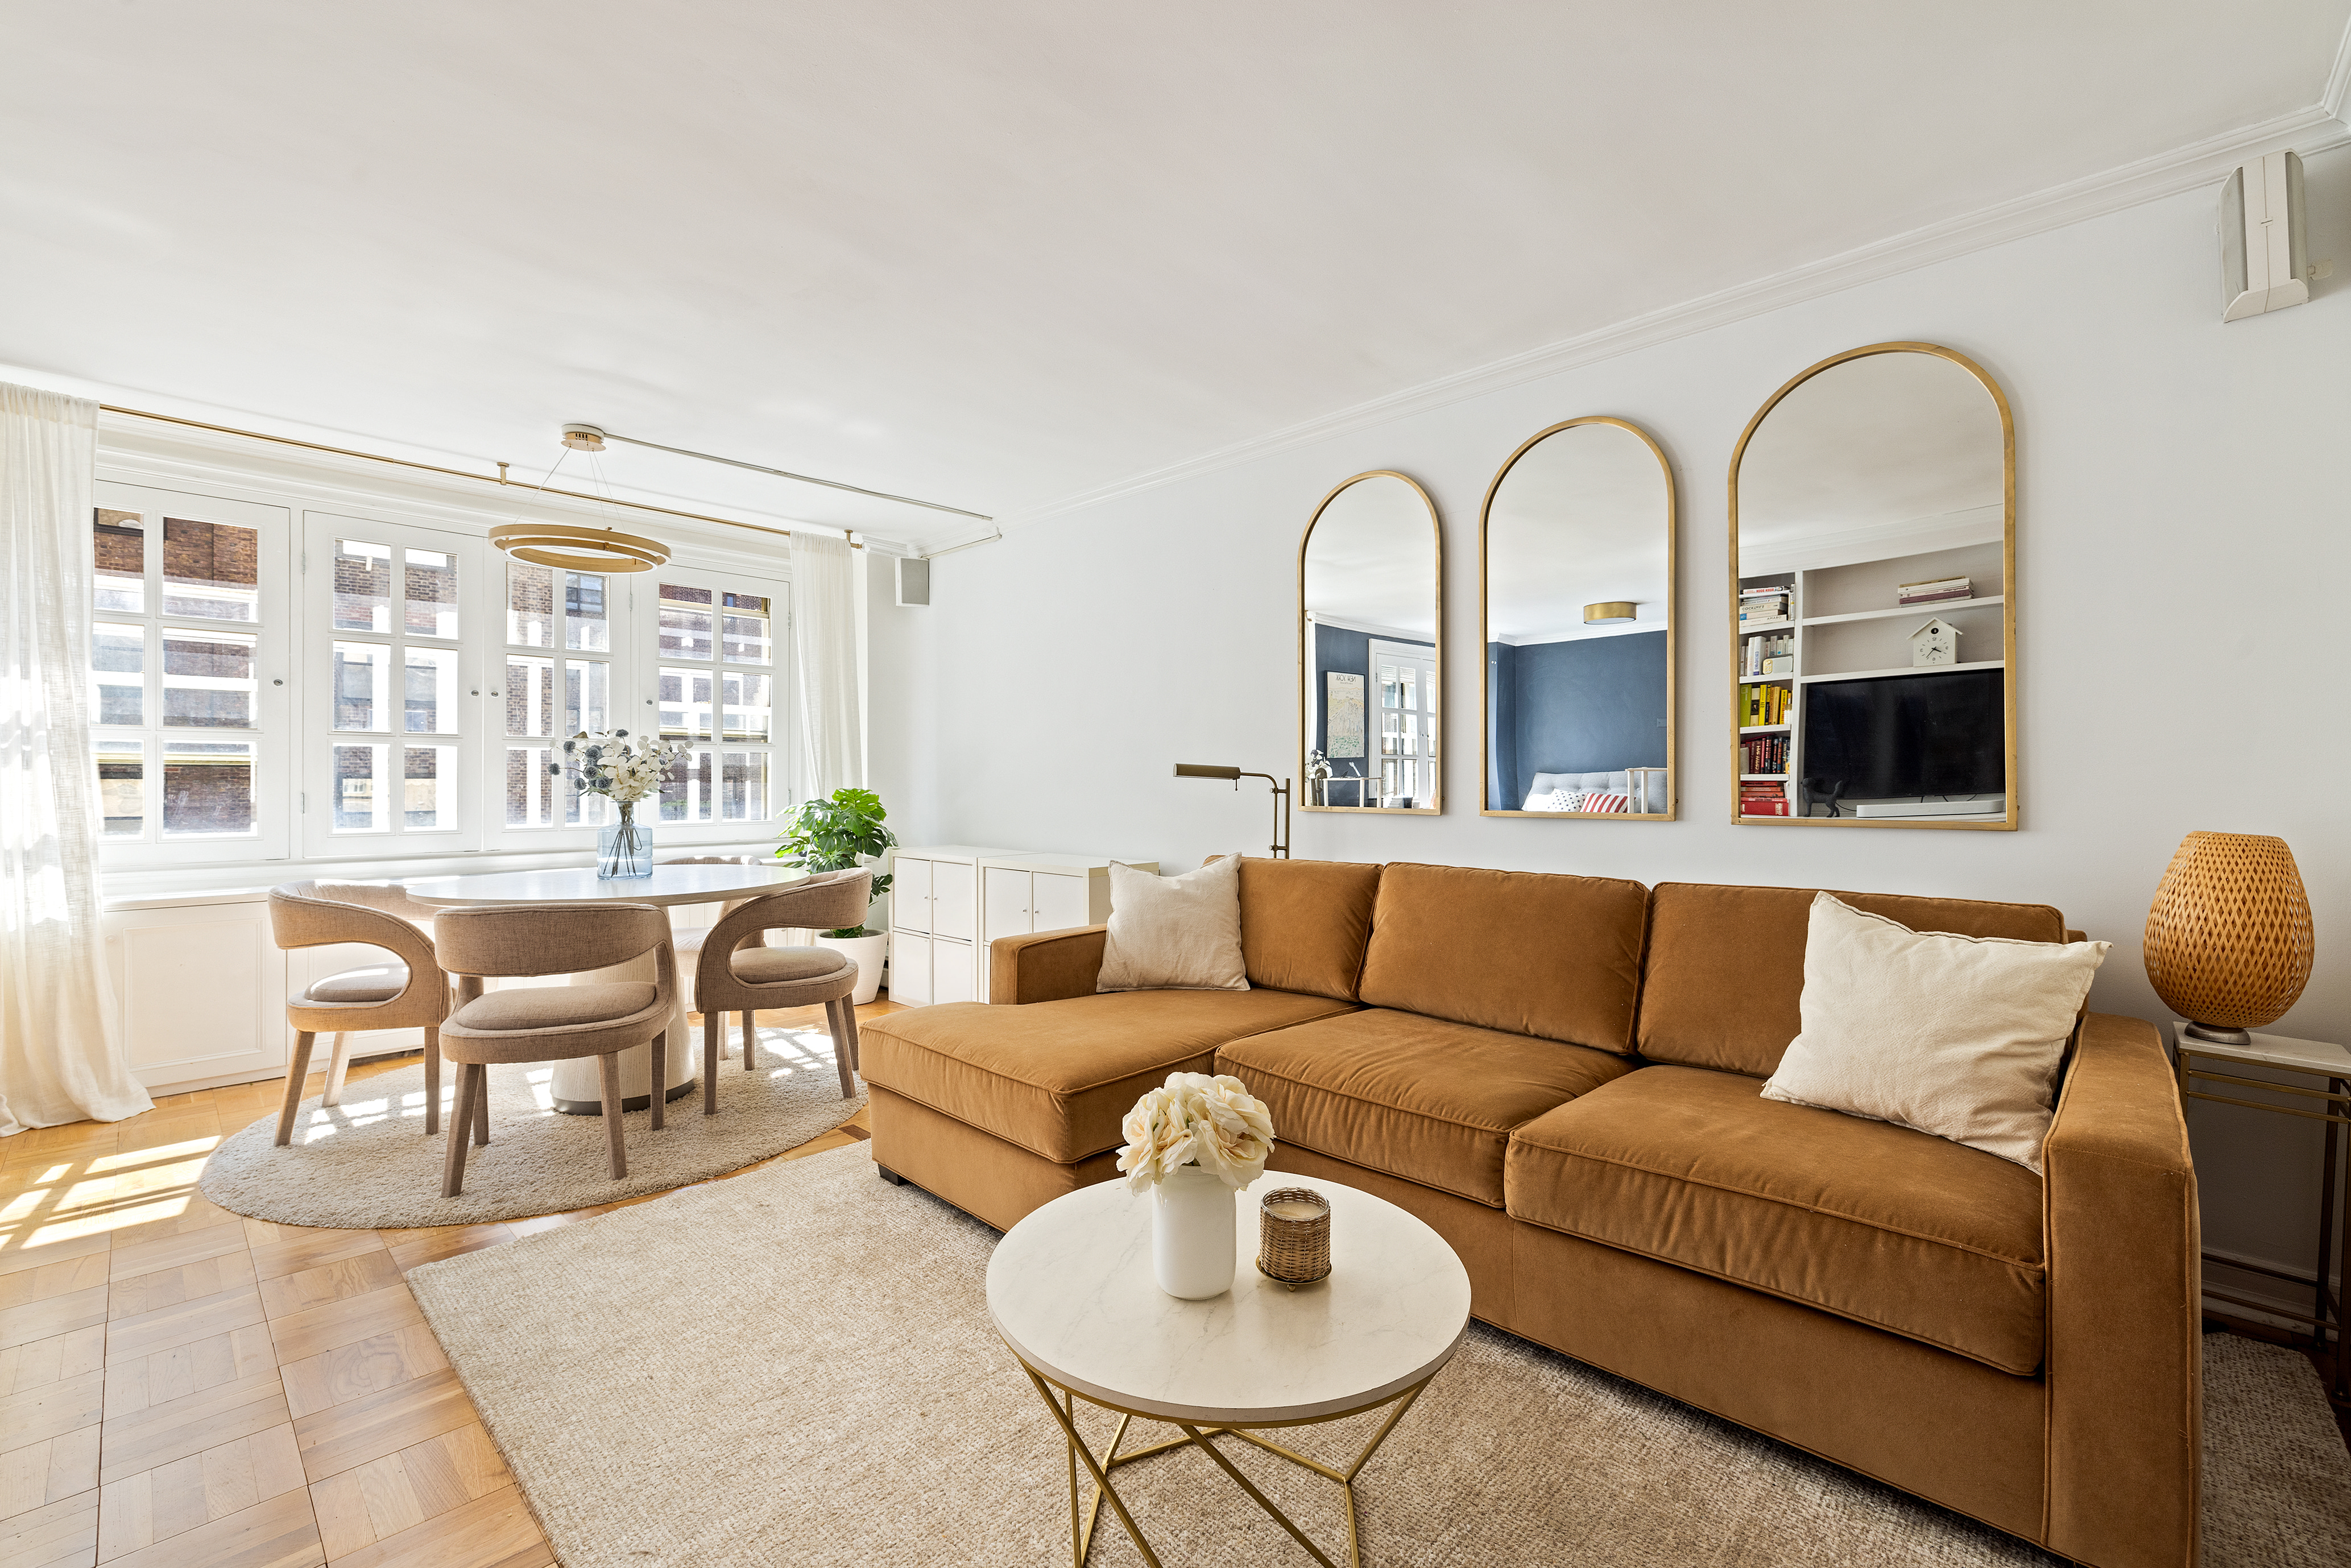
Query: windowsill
pixel 249 882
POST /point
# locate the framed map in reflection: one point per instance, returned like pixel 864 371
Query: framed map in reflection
pixel 1343 702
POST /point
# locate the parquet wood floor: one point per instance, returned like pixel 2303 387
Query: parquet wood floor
pixel 183 1388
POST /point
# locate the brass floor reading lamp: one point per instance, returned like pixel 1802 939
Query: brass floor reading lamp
pixel 1281 796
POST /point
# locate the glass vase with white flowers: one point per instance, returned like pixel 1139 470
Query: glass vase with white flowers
pixel 1192 1144
pixel 624 769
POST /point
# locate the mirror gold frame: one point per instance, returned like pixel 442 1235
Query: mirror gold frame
pixel 2008 823
pixel 1673 605
pixel 1306 657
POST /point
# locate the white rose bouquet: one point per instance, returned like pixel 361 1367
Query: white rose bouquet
pixel 1197 1120
pixel 617 765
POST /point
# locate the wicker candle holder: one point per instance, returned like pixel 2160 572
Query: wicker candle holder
pixel 1293 1236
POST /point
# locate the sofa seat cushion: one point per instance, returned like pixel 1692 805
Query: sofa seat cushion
pixel 1416 1097
pixel 1056 1078
pixel 1912 1234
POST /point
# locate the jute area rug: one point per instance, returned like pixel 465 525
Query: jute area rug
pixel 367 1163
pixel 796 1367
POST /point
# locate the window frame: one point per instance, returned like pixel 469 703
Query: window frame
pixel 274 629
pixel 782 744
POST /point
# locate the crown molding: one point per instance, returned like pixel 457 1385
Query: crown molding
pixel 2309 131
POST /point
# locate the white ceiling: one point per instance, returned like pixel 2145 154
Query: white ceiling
pixel 1371 559
pixel 1884 443
pixel 999 255
pixel 1582 517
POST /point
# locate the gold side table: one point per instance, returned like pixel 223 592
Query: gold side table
pixel 1071 1290
pixel 2207 1062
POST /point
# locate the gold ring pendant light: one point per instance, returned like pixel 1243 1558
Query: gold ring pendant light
pixel 571 546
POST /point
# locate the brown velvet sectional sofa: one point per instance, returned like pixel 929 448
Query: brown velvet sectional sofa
pixel 1560 1074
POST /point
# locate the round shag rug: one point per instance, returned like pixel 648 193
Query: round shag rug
pixel 367 1164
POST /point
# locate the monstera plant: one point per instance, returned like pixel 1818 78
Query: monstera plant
pixel 839 833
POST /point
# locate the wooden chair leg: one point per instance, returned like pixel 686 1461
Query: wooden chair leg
pixel 338 1063
pixel 607 1072
pixel 432 1080
pixel 660 1078
pixel 296 1071
pixel 849 1019
pixel 711 1024
pixel 833 1013
pixel 750 1045
pixel 481 1102
pixel 452 1164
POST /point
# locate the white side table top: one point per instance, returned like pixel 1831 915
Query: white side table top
pixel 2272 1051
pixel 579 884
pixel 1071 1290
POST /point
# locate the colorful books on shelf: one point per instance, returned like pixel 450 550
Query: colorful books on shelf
pixel 1763 753
pixel 1763 705
pixel 1761 606
pixel 1933 592
pixel 1760 798
pixel 1768 653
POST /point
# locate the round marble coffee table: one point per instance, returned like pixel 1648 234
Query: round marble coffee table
pixel 1071 1290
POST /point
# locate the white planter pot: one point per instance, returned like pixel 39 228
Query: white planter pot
pixel 1192 1235
pixel 866 953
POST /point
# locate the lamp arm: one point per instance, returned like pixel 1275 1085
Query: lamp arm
pixel 1280 811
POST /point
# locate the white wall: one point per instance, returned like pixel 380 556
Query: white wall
pixel 2184 576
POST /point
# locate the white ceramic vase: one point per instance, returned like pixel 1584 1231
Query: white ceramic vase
pixel 1192 1234
pixel 866 953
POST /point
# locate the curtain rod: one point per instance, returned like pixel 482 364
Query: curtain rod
pixel 499 478
pixel 787 474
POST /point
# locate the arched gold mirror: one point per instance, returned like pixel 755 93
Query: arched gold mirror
pixel 1371 617
pixel 1577 563
pixel 1873 597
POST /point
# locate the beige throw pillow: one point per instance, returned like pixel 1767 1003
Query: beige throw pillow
pixel 1174 933
pixel 1955 1036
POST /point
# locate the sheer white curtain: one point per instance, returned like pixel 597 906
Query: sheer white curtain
pixel 60 1053
pixel 824 651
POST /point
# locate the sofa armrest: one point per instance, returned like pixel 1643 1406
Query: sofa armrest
pixel 1045 965
pixel 2125 1306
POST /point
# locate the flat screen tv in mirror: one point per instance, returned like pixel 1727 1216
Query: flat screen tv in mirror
pixel 1873 597
pixel 1370 635
pixel 1577 592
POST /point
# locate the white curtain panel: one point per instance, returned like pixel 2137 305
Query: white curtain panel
pixel 61 1058
pixel 824 648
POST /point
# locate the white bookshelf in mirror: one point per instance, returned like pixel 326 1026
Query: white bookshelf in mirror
pixel 1842 622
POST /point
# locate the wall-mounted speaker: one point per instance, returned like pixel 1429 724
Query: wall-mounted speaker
pixel 2265 256
pixel 914 584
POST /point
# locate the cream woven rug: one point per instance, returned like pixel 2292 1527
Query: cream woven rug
pixel 796 1367
pixel 367 1163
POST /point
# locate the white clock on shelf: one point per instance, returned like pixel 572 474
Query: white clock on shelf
pixel 1936 643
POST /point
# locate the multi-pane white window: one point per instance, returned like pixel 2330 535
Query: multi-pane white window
pixel 1405 676
pixel 189 602
pixel 388 692
pixel 720 651
pixel 557 680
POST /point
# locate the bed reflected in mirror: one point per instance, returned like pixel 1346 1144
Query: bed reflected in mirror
pixel 1370 630
pixel 1578 578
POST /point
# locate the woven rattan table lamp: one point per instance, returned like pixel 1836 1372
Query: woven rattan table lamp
pixel 2228 944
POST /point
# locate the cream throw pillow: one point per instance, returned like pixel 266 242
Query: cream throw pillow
pixel 1174 933
pixel 1955 1036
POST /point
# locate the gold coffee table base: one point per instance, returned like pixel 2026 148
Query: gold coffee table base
pixel 1082 1529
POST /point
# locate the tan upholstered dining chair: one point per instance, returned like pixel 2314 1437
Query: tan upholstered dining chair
pixel 552 1023
pixel 689 941
pixel 735 974
pixel 409 992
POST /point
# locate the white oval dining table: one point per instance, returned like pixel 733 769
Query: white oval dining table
pixel 575 1088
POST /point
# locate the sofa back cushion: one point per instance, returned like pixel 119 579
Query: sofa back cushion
pixel 1524 952
pixel 1725 965
pixel 1304 924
